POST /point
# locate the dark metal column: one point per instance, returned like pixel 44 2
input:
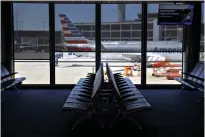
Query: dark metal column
pixel 144 44
pixel 97 36
pixel 7 35
pixel 52 42
pixel 191 37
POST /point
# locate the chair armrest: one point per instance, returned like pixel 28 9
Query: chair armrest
pixel 202 79
pixel 187 74
pixel 9 75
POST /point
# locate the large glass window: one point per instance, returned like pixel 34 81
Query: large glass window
pixel 71 67
pixel 74 48
pixel 31 42
pixel 164 51
pixel 123 47
pixel 75 43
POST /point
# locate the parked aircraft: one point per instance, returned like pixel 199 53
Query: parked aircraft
pixel 129 50
pixel 160 50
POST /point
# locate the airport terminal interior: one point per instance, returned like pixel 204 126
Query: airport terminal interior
pixel 100 69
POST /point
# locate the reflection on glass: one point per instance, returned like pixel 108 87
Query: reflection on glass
pixel 31 35
pixel 75 27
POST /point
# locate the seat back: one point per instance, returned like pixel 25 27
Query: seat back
pixel 98 83
pixel 202 77
pixel 200 74
pixel 4 72
pixel 117 95
pixel 194 70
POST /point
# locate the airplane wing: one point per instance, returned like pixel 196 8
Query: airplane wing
pixel 150 57
pixel 41 45
pixel 58 46
pixel 33 45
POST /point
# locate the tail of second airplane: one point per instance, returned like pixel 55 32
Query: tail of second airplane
pixel 71 34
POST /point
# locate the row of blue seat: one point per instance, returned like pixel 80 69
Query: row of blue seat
pixel 7 81
pixel 194 79
pixel 89 92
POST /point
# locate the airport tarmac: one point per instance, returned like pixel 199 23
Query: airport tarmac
pixel 31 54
pixel 71 68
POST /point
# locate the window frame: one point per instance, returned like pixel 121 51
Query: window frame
pixel 143 41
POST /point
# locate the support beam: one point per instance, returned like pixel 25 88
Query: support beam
pixel 191 39
pixel 97 36
pixel 52 43
pixel 7 52
pixel 144 45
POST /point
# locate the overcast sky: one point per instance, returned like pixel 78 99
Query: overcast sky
pixel 35 16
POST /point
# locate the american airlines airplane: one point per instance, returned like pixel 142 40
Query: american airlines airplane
pixel 75 41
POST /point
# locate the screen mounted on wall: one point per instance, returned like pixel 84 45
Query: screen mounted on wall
pixel 175 14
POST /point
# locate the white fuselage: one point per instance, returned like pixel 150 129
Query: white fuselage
pixel 160 50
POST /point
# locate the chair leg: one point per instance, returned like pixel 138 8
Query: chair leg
pixel 110 125
pixel 200 100
pixel 79 121
pixel 134 122
pixel 113 122
pixel 102 125
pixel 17 89
pixel 182 88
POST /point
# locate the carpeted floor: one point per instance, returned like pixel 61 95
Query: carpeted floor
pixel 38 113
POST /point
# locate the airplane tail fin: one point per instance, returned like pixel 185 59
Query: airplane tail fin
pixel 71 34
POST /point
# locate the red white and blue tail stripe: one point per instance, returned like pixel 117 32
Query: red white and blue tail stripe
pixel 71 33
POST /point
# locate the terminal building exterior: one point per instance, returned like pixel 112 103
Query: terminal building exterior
pixel 112 31
pixel 131 30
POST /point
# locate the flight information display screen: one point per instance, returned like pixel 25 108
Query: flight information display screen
pixel 175 14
